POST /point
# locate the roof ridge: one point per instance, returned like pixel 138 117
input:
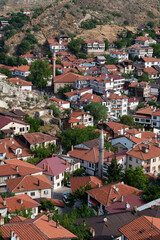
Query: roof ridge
pixel 144 216
pixel 41 179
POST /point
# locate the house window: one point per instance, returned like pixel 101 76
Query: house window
pixel 57 177
pixel 130 158
pixel 137 161
pixel 33 194
pixel 154 159
pixel 45 192
pixel 76 166
pixel 154 117
pixel 58 184
pixel 153 168
pixel 51 178
pixel 90 165
pixel 130 165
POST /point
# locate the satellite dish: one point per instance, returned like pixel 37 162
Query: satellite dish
pixel 114 187
pixel 117 189
pixel 32 216
pixel 105 220
pixel 127 205
pixel 41 211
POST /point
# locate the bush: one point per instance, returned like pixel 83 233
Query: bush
pixel 23 47
pixel 90 23
pixel 150 14
pixel 67 5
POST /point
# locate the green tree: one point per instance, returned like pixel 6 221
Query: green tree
pixel 79 172
pixel 141 105
pixel 151 193
pixel 97 110
pixel 47 204
pixel 127 120
pixel 144 77
pixel 135 178
pixel 119 44
pixel 40 73
pixel 75 136
pixel 156 49
pixel 151 24
pixel 31 38
pixel 6 72
pixel 81 194
pixel 34 123
pixel 56 110
pixel 66 112
pixel 106 44
pixel 23 47
pixel 62 90
pixel 114 172
pixel 75 45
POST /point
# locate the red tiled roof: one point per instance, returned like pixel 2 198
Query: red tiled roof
pixel 20 201
pixel 152 151
pixel 66 78
pixel 151 71
pixel 107 193
pixel 142 38
pixel 150 59
pixel 73 93
pixel 4 121
pixel 19 82
pixel 91 155
pixel 116 126
pixel 23 68
pixel 38 137
pixel 28 183
pixel 77 113
pixel 143 227
pixel 91 97
pixel 146 110
pixel 58 100
pixel 56 202
pixel 93 41
pixel 77 182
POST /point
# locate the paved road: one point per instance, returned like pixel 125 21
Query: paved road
pixel 58 194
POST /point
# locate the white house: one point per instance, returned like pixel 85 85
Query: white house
pixel 21 71
pixel 24 85
pixel 120 55
pixel 150 61
pixel 146 41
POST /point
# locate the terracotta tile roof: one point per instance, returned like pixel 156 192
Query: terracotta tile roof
pixel 107 193
pixel 139 47
pixel 143 227
pixel 142 38
pixel 66 78
pixel 22 68
pixel 19 82
pixel 91 155
pixel 74 120
pixel 91 97
pixel 23 168
pixel 56 202
pixel 116 126
pixel 73 93
pixel 77 113
pixel 53 166
pixel 58 100
pixel 150 59
pixel 152 152
pixel 77 182
pixel 29 55
pixel 28 183
pixel 133 100
pixel 38 137
pixel 7 170
pixel 14 143
pixel 116 96
pixel 111 67
pixel 151 71
pixel 4 121
pixel 146 110
pixel 17 218
pixel 156 113
pixel 133 131
pixel 20 201
pixel 141 116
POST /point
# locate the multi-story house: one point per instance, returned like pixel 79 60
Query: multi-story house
pixel 117 105
pixel 15 126
pixel 94 46
pixel 126 67
pixel 146 41
pixel 140 51
pixel 28 57
pixel 24 85
pixel 152 72
pixel 37 186
pixel 150 61
pixel 56 46
pixel 145 155
pixel 139 89
pixel 21 71
pixel 155 119
pixel 103 84
pixel 75 95
pixel 54 169
pixel 79 117
pixel 120 55
pixel 143 115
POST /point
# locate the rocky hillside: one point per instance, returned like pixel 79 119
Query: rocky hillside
pixel 67 16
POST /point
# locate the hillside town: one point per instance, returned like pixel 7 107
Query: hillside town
pixel 79 133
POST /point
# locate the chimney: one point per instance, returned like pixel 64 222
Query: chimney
pixel 98 185
pixel 66 162
pixel 1 220
pixel 21 200
pixel 57 224
pixel 47 167
pixel 72 148
pixel 4 203
pixel 135 209
pixel 16 168
pixel 38 183
pixel 92 231
pixel 44 166
pixel 50 217
pixel 98 212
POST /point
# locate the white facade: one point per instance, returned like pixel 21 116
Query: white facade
pixel 151 63
pixel 120 55
pixel 56 180
pixel 28 88
pixel 140 51
pixel 40 193
pixel 18 128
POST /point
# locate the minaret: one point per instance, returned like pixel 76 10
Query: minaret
pixel 54 67
pixel 101 155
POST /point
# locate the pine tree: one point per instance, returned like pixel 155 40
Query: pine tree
pixel 114 173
